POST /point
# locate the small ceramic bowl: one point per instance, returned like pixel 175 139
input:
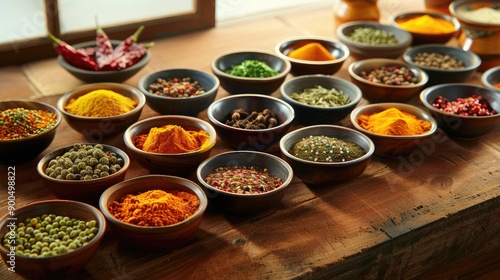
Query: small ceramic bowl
pixel 81 190
pixel 154 237
pixel 470 62
pixel 236 85
pixel 465 127
pixel 189 106
pixel 246 203
pixel 89 76
pixel 326 173
pixel 308 114
pixel 250 139
pixel 363 51
pixel 170 164
pixel 95 129
pixel 60 266
pixel 306 67
pixel 378 92
pixel 491 78
pixel 426 36
pixel 394 145
pixel 24 149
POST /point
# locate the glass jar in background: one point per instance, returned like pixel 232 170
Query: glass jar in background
pixel 438 5
pixel 351 10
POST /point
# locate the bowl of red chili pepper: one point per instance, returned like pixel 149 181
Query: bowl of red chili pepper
pixel 462 110
pixel 245 182
pixel 27 128
pixel 155 211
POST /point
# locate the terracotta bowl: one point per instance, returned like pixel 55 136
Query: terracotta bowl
pixel 81 190
pixel 25 149
pixel 465 127
pixel 490 78
pixel 246 203
pixel 89 76
pixel 60 266
pixel 154 237
pixel 326 173
pixel 423 36
pixel 170 164
pixel 250 139
pixel 377 92
pixel 95 129
pixel 189 106
pixel 308 114
pixel 306 67
pixel 236 85
pixel 394 145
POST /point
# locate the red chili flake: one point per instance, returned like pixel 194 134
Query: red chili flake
pixel 243 179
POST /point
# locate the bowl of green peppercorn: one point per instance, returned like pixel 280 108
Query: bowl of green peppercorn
pixel 83 171
pixel 250 71
pixel 52 239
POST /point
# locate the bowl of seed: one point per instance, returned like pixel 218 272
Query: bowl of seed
pixel 250 121
pixel 443 64
pixel 27 128
pixel 370 39
pixel 250 71
pixel 320 99
pixel 83 171
pixel 179 91
pixel 326 154
pixel 387 80
pixel 52 239
pixel 245 182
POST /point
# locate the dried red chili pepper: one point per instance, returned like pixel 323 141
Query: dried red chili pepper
pixel 128 44
pixel 104 49
pixel 129 58
pixel 76 57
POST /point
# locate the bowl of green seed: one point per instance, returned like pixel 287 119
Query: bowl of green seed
pixel 52 239
pixel 320 99
pixel 83 171
pixel 250 71
pixel 370 39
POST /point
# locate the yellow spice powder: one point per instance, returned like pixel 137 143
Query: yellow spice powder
pixel 100 103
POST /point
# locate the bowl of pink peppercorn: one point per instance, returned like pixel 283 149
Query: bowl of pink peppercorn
pixel 462 110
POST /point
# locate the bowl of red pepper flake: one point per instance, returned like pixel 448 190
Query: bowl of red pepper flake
pixel 27 128
pixel 462 110
pixel 245 182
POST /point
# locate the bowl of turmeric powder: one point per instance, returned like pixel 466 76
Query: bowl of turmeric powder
pixel 426 27
pixel 395 128
pixel 172 145
pixel 101 110
pixel 155 211
pixel 312 54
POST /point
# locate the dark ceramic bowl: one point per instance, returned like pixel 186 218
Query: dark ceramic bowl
pixel 171 164
pixel 326 173
pixel 60 266
pixel 466 127
pixel 307 67
pixel 377 92
pixel 89 76
pixel 24 149
pixel 236 85
pixel 363 51
pixel 394 145
pixel 189 106
pixel 81 190
pixel 154 237
pixel 250 139
pixel 246 203
pixel 469 60
pixel 309 114
pixel 96 128
pixel 491 77
pixel 424 36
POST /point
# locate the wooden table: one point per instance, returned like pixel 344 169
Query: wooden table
pixel 432 214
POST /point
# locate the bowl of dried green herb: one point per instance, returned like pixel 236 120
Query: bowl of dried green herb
pixel 320 99
pixel 250 71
